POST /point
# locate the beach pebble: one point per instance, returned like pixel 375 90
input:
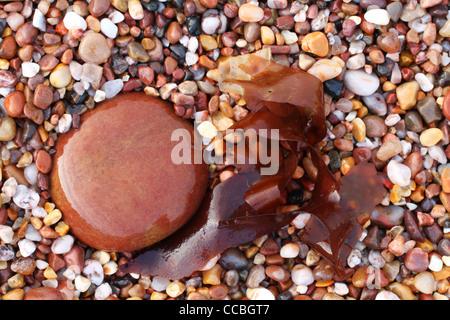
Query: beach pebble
pixel 399 173
pixel 112 87
pixel 259 293
pixel 425 84
pixel 378 16
pixel 360 82
pixel 26 198
pixel 108 28
pixel 30 69
pixel 250 13
pixel 26 247
pixel 325 69
pixel 93 270
pixel 63 244
pixel 302 275
pixel 73 20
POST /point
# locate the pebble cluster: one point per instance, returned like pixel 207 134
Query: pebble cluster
pixel 385 70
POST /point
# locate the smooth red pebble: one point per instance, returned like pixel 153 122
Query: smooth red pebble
pixel 269 247
pixel 446 105
pixel 416 260
pixel 146 75
pixel 43 96
pixel 114 179
pixel 43 161
pixel 14 103
pixel 43 293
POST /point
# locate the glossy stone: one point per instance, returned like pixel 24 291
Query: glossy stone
pixel 114 179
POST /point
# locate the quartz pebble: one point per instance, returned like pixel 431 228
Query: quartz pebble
pixel 361 83
pixel 94 48
pixel 398 173
pixel 377 16
pixel 250 13
pixel 325 69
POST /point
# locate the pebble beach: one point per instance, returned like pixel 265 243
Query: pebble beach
pixel 385 69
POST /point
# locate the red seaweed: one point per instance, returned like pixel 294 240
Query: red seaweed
pixel 244 207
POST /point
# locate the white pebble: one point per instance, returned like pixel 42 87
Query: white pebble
pixel 425 84
pixel 30 69
pixel 93 270
pixel 302 275
pixel 360 82
pixel 259 293
pixel 301 220
pixel 377 16
pixel 354 258
pixel 108 28
pixel 31 172
pixel 62 244
pixel 112 88
pixel 386 295
pixel 289 250
pixel 436 264
pixel 82 283
pixel 399 173
pixel 135 9
pixel 100 95
pixel 39 212
pixel 74 20
pixel 116 17
pixel 356 62
pixel 39 21
pixel 76 70
pixel 26 198
pixel 103 291
pixel 376 259
pixel 26 247
pixel 392 119
pixel 41 264
pixel 159 283
pixel 437 153
pixel 64 123
pixel 191 58
pixel 340 288
pixel 10 187
pixel 6 233
pixel 32 234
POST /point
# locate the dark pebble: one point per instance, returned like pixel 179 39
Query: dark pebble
pixel 434 233
pixel 385 68
pixel 118 64
pixel 29 129
pixel 193 25
pixel 333 87
pixel 412 226
pixel 233 259
pixel 76 108
pixel 443 247
pixel 295 197
pixel 335 160
pixel 413 121
pixel 179 50
pixel 150 6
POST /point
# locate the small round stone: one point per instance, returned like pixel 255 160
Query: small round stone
pixel 94 48
pixel 361 83
pixel 431 137
pixel 250 13
pixel 14 103
pixel 316 43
